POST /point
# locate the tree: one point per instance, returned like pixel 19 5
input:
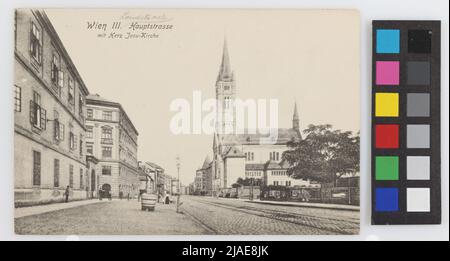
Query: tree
pixel 324 155
pixel 248 182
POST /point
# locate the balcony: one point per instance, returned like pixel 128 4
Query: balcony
pixel 106 141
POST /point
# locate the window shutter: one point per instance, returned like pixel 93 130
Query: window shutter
pixel 56 130
pixel 61 131
pixel 61 79
pixel 74 142
pixel 32 115
pixel 43 119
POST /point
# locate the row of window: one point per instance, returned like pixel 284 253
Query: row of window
pixel 57 74
pixel 274 156
pixel 253 173
pixel 106 151
pixel 278 173
pixel 106 115
pixel 56 172
pixel 107 133
pixel 250 156
pixel 279 183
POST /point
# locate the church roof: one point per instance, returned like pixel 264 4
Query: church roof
pixel 233 151
pixel 295 112
pixel 225 72
pixel 284 135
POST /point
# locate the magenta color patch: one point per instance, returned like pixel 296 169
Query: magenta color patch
pixel 388 73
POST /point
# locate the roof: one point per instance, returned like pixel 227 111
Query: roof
pixel 254 166
pixel 284 136
pixel 96 99
pixel 155 166
pixel 233 152
pixel 206 163
pixel 271 164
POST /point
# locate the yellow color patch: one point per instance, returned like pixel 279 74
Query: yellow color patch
pixel 386 104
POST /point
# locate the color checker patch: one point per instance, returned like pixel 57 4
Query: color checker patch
pixel 386 199
pixel 386 136
pixel 388 41
pixel 387 73
pixel 386 105
pixel 386 168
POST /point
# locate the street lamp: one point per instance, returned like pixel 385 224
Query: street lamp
pixel 179 187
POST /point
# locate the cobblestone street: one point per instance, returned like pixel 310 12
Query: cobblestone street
pixel 110 218
pixel 200 215
pixel 232 216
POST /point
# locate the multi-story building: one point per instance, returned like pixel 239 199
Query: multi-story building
pixel 49 114
pixel 204 178
pixel 112 138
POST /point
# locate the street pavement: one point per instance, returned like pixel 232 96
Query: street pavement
pixel 117 217
pixel 199 216
pixel 232 216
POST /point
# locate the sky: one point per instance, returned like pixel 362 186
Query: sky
pixel 310 57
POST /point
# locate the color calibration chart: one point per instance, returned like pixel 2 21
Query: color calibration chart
pixel 406 185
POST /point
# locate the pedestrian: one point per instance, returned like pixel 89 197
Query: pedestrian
pixel 66 194
pixel 120 195
pixel 128 196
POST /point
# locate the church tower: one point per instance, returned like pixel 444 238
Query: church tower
pixel 225 95
pixel 295 119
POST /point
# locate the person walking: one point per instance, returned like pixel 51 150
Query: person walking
pixel 66 194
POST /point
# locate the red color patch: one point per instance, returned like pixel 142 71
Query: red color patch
pixel 386 136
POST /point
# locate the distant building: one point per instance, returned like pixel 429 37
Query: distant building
pixel 204 180
pixel 112 138
pixel 49 115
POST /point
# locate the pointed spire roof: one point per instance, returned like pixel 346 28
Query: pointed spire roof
pixel 225 68
pixel 295 111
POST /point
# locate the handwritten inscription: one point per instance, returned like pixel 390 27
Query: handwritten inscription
pixel 128 26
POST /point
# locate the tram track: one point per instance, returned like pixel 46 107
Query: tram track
pixel 328 224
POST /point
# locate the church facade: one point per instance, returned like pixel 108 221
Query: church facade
pixel 242 155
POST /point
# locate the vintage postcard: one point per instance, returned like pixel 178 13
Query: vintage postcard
pixel 186 122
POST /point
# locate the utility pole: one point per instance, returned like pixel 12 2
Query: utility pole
pixel 179 187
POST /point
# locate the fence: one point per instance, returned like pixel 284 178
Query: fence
pixel 332 195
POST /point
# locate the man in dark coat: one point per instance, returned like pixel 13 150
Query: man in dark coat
pixel 66 194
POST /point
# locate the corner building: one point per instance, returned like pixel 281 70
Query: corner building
pixel 112 138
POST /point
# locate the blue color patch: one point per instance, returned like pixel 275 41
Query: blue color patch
pixel 386 199
pixel 388 41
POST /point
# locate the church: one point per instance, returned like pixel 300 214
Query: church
pixel 242 155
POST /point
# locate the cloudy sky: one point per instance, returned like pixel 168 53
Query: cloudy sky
pixel 308 57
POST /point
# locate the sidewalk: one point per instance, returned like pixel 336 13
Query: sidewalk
pixel 40 209
pixel 306 205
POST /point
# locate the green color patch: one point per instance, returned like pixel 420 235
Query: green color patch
pixel 386 168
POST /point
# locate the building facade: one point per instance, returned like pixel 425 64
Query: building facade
pixel 49 114
pixel 243 155
pixel 204 178
pixel 112 138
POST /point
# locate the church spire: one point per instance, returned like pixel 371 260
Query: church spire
pixel 225 72
pixel 295 119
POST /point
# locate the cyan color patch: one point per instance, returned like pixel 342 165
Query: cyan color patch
pixel 388 41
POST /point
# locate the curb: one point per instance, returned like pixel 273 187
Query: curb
pixel 348 208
